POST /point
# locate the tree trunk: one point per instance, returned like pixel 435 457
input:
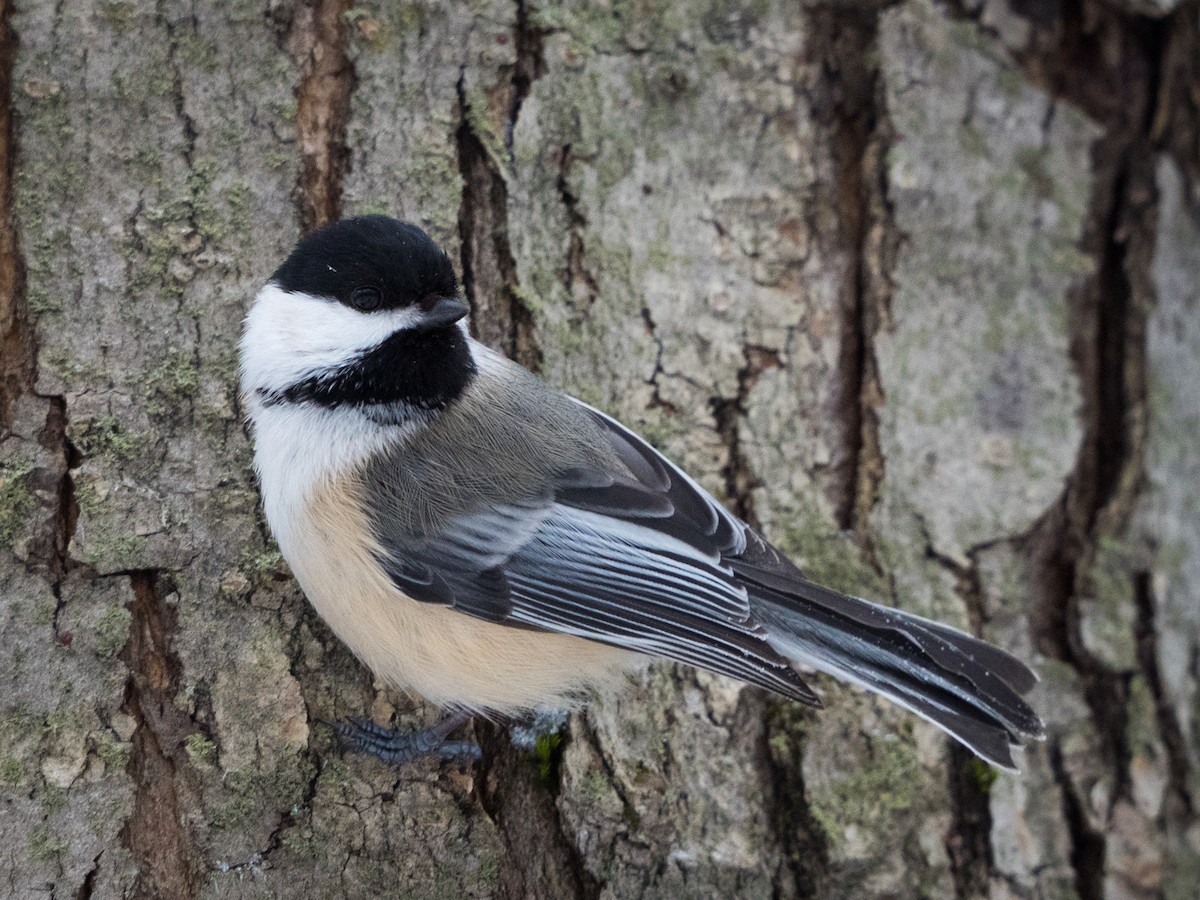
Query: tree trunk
pixel 911 285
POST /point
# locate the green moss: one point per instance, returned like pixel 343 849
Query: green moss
pixel 433 174
pixel 298 841
pixel 198 52
pixel 983 776
pixel 590 26
pixel 11 770
pixel 528 300
pixel 664 431
pixel 1031 160
pixel 241 807
pixel 16 500
pixel 827 556
pixel 44 844
pixel 547 754
pixel 277 159
pixel 240 203
pixel 149 255
pixel 376 208
pixel 595 788
pixel 48 271
pixel 87 495
pixel 19 725
pixel 112 631
pixel 243 12
pixel 488 872
pixel 161 236
pixel 476 114
pixel 250 791
pixel 383 29
pixel 1011 83
pixel 106 437
pixel 70 369
pixel 200 750
pixel 114 754
pixel 43 612
pixel 53 798
pixel 198 206
pixel 660 257
pixel 172 383
pixel 972 141
pixel 884 784
pixel 119 15
pixel 1142 718
pixel 51 121
pixel 261 568
pixel 335 771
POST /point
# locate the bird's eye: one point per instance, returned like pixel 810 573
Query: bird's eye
pixel 366 298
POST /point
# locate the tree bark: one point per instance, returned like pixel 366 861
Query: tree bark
pixel 911 285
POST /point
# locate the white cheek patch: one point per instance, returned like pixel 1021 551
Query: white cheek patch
pixel 291 336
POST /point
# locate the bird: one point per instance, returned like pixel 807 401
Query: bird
pixel 498 547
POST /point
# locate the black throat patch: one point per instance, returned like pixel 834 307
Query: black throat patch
pixel 423 371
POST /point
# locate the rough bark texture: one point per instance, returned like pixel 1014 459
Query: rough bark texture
pixel 912 285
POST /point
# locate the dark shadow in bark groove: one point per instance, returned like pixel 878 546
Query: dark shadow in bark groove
pixel 168 861
pixel 317 39
pixel 850 114
pixel 500 317
pixel 16 330
pixel 541 861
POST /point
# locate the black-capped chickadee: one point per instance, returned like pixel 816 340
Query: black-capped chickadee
pixel 476 536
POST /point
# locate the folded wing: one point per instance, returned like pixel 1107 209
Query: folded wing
pixel 645 559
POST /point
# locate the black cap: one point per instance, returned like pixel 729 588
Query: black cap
pixel 398 260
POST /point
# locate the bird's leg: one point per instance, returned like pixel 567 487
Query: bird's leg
pixel 397 748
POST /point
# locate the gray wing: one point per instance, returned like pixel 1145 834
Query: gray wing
pixel 627 550
pixel 638 560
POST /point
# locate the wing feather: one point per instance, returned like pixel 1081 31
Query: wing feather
pixel 620 546
pixel 632 558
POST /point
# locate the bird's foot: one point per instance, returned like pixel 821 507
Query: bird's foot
pixel 397 748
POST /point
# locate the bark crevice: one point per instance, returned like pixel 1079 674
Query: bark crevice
pixel 728 413
pixel 578 279
pixel 540 859
pixel 48 550
pixel 657 401
pixel 802 841
pixel 1108 323
pixel 178 96
pixel 17 365
pixel 1088 847
pixel 317 40
pixel 969 839
pixel 849 110
pixel 1174 742
pixel 1110 63
pixel 155 833
pixel 501 318
pixel 88 886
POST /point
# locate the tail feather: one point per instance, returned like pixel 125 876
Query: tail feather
pixel 968 688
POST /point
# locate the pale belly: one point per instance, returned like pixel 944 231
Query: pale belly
pixel 449 658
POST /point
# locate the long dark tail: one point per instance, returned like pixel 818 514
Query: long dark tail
pixel 968 688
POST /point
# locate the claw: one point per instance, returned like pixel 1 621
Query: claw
pixel 398 748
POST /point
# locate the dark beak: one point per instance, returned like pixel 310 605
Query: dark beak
pixel 446 311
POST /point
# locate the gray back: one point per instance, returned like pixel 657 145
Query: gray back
pixel 502 442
